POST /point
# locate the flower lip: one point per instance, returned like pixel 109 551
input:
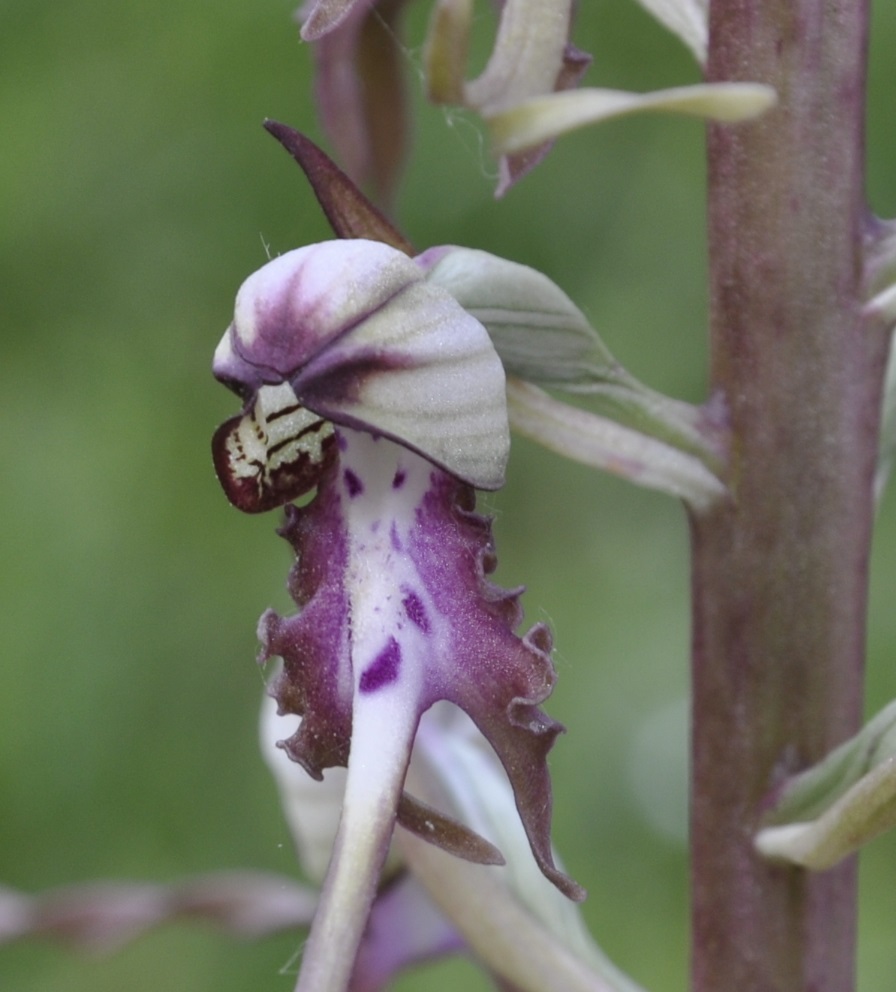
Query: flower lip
pixel 396 613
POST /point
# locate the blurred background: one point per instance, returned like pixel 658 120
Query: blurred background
pixel 137 190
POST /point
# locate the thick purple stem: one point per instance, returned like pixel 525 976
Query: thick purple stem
pixel 780 570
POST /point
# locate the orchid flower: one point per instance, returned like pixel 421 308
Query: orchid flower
pixel 367 382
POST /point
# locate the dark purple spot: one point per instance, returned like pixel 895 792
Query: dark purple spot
pixel 398 481
pixel 416 611
pixel 352 483
pixel 383 669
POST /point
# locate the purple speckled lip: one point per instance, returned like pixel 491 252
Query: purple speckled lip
pixel 434 627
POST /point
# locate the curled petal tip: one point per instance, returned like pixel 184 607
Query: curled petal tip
pixel 350 213
pixel 547 117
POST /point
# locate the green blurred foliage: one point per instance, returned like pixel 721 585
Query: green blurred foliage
pixel 137 190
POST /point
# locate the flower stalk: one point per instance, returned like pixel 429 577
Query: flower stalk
pixel 780 569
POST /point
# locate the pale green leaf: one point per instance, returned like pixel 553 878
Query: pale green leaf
pixel 547 117
pixel 833 808
pixel 604 444
pixel 864 812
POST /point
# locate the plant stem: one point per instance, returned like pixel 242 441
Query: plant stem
pixel 780 569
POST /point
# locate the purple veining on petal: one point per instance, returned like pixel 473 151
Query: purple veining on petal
pixel 416 611
pixel 294 308
pixel 338 375
pixel 354 486
pixel 399 480
pixel 384 668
